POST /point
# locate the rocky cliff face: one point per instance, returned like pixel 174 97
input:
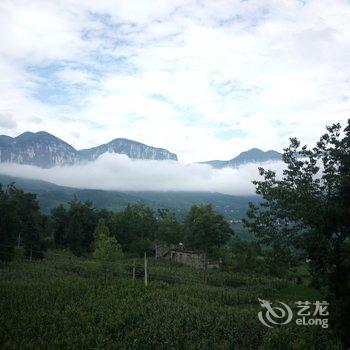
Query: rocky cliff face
pixel 46 150
pixel 132 149
pixel 41 149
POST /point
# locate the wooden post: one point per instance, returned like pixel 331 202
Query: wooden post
pixel 205 269
pixel 146 275
pixel 134 270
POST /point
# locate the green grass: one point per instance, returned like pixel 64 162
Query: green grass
pixel 66 302
pixel 300 292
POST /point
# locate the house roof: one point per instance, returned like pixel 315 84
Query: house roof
pixel 181 250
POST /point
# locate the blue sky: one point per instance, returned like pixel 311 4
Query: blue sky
pixel 204 79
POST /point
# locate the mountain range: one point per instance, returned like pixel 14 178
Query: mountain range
pixel 46 150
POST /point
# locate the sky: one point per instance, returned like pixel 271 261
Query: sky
pixel 204 79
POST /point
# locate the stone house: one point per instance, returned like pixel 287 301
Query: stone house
pixel 179 253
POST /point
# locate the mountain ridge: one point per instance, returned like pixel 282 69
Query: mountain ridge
pixel 46 150
pixel 253 155
pixel 131 148
pixel 50 195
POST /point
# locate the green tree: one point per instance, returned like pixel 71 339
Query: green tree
pixel 244 256
pixel 105 247
pixel 206 230
pixel 87 218
pixel 308 210
pixel 31 224
pixel 21 223
pixel 136 227
pixel 100 230
pixel 279 260
pixel 59 218
pixel 74 227
pixel 170 230
pixel 8 224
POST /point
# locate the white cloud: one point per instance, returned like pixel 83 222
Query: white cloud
pixel 118 172
pixel 75 76
pixel 173 73
pixel 7 121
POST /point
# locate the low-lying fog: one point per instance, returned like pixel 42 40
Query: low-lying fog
pixel 118 172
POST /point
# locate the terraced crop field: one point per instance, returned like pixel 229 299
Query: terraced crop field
pixel 64 302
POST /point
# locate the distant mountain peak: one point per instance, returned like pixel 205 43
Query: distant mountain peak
pixel 253 155
pixel 40 148
pixel 40 136
pixel 133 149
pixel 27 134
pixel 254 149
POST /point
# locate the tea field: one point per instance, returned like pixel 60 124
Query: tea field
pixel 65 302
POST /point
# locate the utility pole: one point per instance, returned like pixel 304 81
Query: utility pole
pixel 146 275
pixel 205 269
pixel 19 239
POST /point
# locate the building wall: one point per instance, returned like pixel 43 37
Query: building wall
pixel 161 251
pixel 185 257
pixel 188 258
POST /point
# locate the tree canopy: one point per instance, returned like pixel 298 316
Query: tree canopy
pixel 170 230
pixel 105 246
pixel 21 222
pixel 308 212
pixel 206 230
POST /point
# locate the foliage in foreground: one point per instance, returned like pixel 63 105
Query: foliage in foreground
pixel 21 222
pixel 308 211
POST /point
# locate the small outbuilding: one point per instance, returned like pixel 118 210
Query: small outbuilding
pixel 179 253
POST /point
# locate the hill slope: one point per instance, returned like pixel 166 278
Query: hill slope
pixel 51 195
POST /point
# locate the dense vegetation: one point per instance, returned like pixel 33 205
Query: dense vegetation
pixel 50 196
pixel 65 302
pixel 137 228
pixel 21 224
pixel 307 213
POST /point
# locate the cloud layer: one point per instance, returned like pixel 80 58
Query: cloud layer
pixel 118 172
pixel 204 79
